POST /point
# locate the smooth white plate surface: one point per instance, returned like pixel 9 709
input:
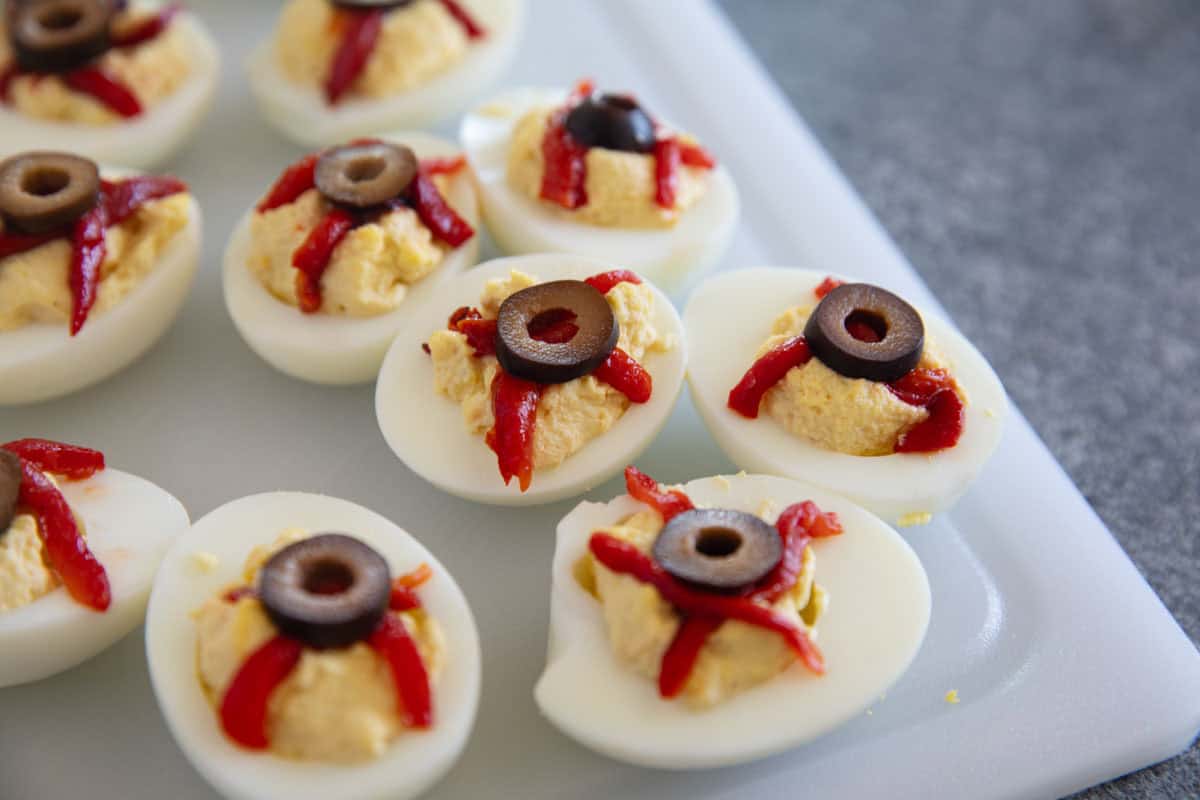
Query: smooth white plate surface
pixel 1028 587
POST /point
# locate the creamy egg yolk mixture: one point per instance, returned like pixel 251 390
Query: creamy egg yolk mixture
pixel 25 574
pixel 337 705
pixel 34 286
pixel 641 625
pixel 569 414
pixel 418 42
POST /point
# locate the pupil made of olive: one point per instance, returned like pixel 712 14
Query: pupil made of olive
pixel 45 182
pixel 328 577
pixel 718 542
pixel 58 19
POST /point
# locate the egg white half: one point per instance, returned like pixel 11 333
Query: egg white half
pixel 411 763
pixel 879 606
pixel 41 360
pixel 335 349
pixel 129 523
pixel 302 114
pixel 670 257
pixel 142 142
pixel 746 304
pixel 426 430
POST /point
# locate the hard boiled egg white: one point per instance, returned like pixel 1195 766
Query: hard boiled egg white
pixel 327 348
pixel 129 523
pixel 303 114
pixel 426 430
pixel 879 605
pixel 412 762
pixel 730 316
pixel 42 360
pixel 519 224
pixel 144 141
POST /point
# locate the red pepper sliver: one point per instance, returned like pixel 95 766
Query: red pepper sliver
pixel 626 375
pixel 443 166
pixel 7 76
pixel 359 37
pixel 148 28
pixel 605 281
pixel 436 214
pixel 680 656
pixel 644 489
pixel 88 249
pixel 564 179
pixel 667 159
pixel 797 525
pixel 514 403
pixel 312 257
pixel 472 28
pixel 693 155
pixel 12 244
pixel 295 181
pixel 105 88
pixel 391 640
pixel 404 589
pixel 123 198
pixel 828 285
pixel 68 553
pixel 244 706
pixel 940 430
pixel 56 458
pixel 765 373
pixel 481 335
pixel 919 386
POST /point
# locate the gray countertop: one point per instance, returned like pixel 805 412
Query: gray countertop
pixel 1037 162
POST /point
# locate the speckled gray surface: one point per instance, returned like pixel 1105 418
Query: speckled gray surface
pixel 1038 163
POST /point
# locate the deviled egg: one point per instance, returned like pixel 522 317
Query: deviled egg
pixel 336 69
pixel 531 378
pixel 302 646
pixel 724 620
pixel 120 83
pixel 79 546
pixel 94 267
pixel 845 385
pixel 595 173
pixel 346 245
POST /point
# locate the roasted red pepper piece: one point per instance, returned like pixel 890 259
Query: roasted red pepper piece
pixel 693 155
pixel 667 159
pixel 436 214
pixel 481 335
pixel 554 326
pixel 461 313
pixel 105 88
pixel 68 553
pixel 680 656
pixel 605 281
pixel 472 28
pixel 360 34
pixel 75 463
pixel 919 386
pixel 244 706
pixel 644 489
pixel 391 640
pixel 797 525
pixel 564 177
pixel 148 28
pixel 626 375
pixel 295 181
pixel 514 404
pixel 940 430
pixel 12 244
pixel 404 589
pixel 10 73
pixel 87 254
pixel 443 166
pixel 123 198
pixel 312 257
pixel 765 373
pixel 826 286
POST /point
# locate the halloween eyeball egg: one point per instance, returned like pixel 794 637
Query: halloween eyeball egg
pixel 121 86
pixel 531 378
pixel 349 243
pixel 336 69
pixel 594 173
pixel 302 646
pixel 95 265
pixel 725 620
pixel 79 546
pixel 845 385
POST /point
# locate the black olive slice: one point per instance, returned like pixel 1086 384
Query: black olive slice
pixel 10 488
pixel 365 5
pixel 718 549
pixel 365 175
pixel 612 121
pixel 327 591
pixel 523 352
pixel 894 324
pixel 59 35
pixel 41 192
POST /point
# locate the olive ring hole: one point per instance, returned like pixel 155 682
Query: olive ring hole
pixel 46 181
pixel 553 326
pixel 59 18
pixel 718 542
pixel 863 325
pixel 328 577
pixel 367 168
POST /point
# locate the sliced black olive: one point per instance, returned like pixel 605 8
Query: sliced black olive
pixel 42 192
pixel 894 323
pixel 365 175
pixel 718 549
pixel 524 355
pixel 372 4
pixel 328 591
pixel 10 488
pixel 59 35
pixel 612 121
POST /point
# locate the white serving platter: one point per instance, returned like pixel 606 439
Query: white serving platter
pixel 1069 669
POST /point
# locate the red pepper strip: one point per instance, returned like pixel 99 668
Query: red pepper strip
pixel 919 386
pixel 312 257
pixel 605 281
pixel 391 640
pixel 105 88
pixel 554 326
pixel 443 166
pixel 436 214
pixel 680 657
pixel 623 558
pixel 693 155
pixel 644 489
pixel 75 463
pixel 148 28
pixel 666 172
pixel 295 181
pixel 473 29
pixel 514 403
pixel 404 589
pixel 797 525
pixel 12 244
pixel 461 313
pixel 244 706
pixel 626 375
pixel 481 335
pixel 86 256
pixel 765 373
pixel 940 430
pixel 7 76
pixel 359 38
pixel 564 177
pixel 123 198
pixel 828 285
pixel 68 553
